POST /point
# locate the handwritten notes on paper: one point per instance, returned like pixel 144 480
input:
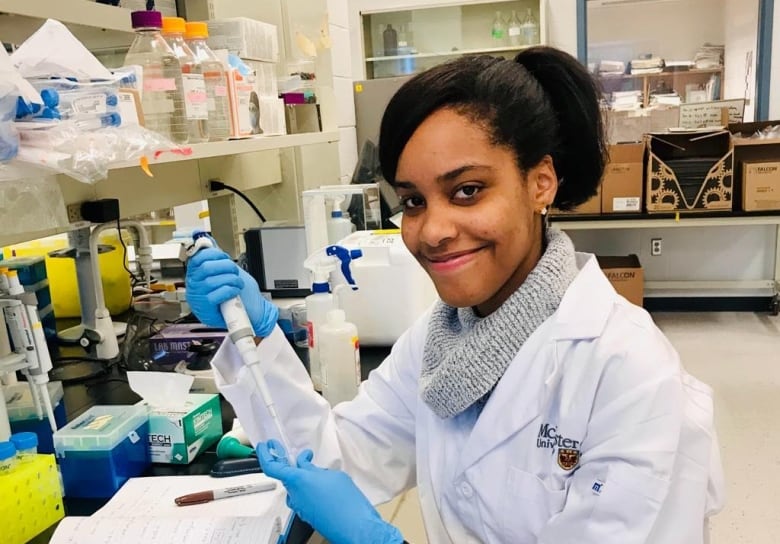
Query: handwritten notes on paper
pixel 710 114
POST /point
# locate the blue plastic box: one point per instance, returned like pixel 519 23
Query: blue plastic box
pixel 31 270
pixel 102 448
pixel 23 417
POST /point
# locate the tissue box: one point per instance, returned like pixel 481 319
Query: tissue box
pixel 101 449
pixel 175 341
pixel 177 436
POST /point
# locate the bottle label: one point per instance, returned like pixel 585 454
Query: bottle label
pixel 498 34
pixel 310 331
pixel 195 97
pixel 220 90
pixel 157 84
pixel 248 112
pixel 94 103
pixel 514 31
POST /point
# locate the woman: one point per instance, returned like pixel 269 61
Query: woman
pixel 532 403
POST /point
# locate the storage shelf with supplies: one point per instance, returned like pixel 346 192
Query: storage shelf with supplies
pixel 237 147
pixel 675 73
pixel 180 179
pixel 96 25
pixel 455 53
pixel 655 221
pixel 715 219
pixel 673 79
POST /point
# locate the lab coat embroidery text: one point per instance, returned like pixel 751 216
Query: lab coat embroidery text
pixel 549 438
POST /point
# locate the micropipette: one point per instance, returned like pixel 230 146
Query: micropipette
pixel 242 334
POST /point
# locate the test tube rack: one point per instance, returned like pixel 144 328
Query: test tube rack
pixel 31 499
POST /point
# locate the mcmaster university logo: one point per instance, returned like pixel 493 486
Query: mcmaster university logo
pixel 568 449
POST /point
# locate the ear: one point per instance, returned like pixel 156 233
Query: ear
pixel 542 183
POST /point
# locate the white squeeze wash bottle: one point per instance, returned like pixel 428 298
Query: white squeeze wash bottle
pixel 339 358
pixel 318 304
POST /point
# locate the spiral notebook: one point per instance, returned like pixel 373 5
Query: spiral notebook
pixel 143 510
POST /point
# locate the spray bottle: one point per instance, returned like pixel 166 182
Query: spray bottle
pixel 322 300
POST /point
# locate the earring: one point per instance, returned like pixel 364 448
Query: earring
pixel 544 211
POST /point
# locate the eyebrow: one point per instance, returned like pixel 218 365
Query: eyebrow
pixel 447 176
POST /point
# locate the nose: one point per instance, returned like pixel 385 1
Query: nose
pixel 438 225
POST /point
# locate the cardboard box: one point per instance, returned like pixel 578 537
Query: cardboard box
pixel 621 188
pixel 175 341
pixel 689 171
pixel 626 276
pixel 761 186
pixel 589 207
pixel 178 436
pixel 751 150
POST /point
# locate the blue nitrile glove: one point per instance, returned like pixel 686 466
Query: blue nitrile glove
pixel 213 278
pixel 328 500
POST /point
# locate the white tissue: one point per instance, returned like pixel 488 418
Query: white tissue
pixel 54 51
pixel 163 390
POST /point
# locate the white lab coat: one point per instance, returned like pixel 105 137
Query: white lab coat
pixel 597 377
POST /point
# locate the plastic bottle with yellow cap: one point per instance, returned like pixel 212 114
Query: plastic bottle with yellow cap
pixel 215 76
pixel 193 83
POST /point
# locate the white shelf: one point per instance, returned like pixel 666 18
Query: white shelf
pixel 458 52
pixel 238 147
pixel 643 223
pixel 96 25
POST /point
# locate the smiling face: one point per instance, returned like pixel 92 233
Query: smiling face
pixel 471 218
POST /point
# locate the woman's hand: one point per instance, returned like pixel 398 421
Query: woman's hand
pixel 328 500
pixel 213 278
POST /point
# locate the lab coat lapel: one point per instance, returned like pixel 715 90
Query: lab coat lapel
pixel 522 392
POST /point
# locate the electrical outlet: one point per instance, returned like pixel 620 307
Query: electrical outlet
pixel 74 213
pixel 656 246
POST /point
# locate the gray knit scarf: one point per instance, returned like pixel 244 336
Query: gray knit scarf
pixel 465 355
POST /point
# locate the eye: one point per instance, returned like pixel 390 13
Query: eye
pixel 411 202
pixel 467 192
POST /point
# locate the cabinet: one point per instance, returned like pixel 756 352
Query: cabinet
pixel 403 42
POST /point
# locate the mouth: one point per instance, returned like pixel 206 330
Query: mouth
pixel 451 261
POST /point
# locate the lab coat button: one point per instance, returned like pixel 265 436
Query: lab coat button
pixel 466 490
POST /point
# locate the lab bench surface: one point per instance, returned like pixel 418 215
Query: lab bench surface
pixel 112 389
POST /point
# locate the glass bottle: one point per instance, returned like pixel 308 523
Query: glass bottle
pixel 498 30
pixel 215 76
pixel 193 84
pixel 530 28
pixel 514 30
pixel 162 99
pixel 390 40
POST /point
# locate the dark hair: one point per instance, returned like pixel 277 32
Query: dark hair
pixel 544 102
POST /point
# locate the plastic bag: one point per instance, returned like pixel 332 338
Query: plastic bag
pixel 39 196
pixel 9 139
pixel 87 155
